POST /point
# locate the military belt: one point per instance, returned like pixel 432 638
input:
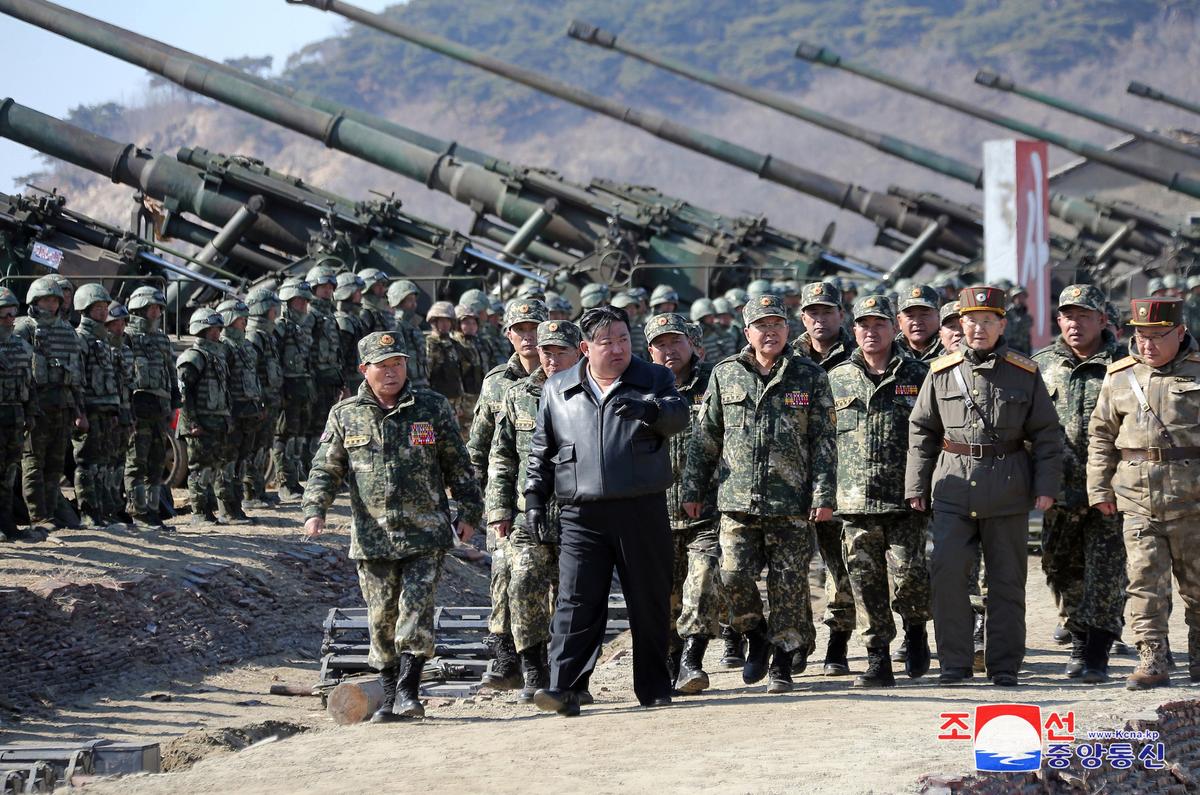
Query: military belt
pixel 1159 453
pixel 983 450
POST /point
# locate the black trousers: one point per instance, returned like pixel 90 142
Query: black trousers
pixel 634 535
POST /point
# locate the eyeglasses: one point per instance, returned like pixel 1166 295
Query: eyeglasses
pixel 986 319
pixel 1145 337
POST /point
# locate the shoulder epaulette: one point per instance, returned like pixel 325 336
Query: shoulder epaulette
pixel 1121 364
pixel 945 362
pixel 1193 357
pixel 1020 360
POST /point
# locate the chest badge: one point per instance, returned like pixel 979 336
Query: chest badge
pixel 907 390
pixel 421 434
pixel 525 423
pixel 795 400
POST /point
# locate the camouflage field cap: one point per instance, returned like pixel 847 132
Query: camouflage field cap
pixel 1160 312
pixel 918 295
pixel 982 298
pixel 666 323
pixel 521 311
pixel 765 306
pixel 1087 296
pixel 559 332
pixel 873 306
pixel 380 346
pixel 822 293
pixel 949 312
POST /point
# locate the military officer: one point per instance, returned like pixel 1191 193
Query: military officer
pixel 294 339
pixel 246 411
pixel 874 391
pixel 1144 461
pixel 18 413
pixel 768 420
pixel 155 398
pixel 264 304
pixel 204 421
pixel 101 393
pixel 968 461
pixel 402 297
pixel 398 450
pixel 918 316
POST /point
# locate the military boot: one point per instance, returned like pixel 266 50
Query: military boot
pixel 1095 656
pixel 1152 668
pixel 408 687
pixel 692 678
pixel 232 514
pixel 734 654
pixel 757 654
pixel 780 673
pixel 979 663
pixel 901 652
pixel 536 671
pixel 879 670
pixel 505 671
pixel 1074 668
pixel 916 658
pixel 1194 653
pixel 836 663
pixel 388 677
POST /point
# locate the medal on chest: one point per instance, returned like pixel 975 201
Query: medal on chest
pixel 795 400
pixel 421 434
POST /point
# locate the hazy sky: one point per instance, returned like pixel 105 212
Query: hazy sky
pixel 53 74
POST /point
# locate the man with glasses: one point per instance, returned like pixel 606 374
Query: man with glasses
pixel 969 462
pixel 1144 461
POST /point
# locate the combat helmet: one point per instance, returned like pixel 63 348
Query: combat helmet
pixel 233 308
pixel 321 274
pixel 47 286
pixel 204 318
pixel 702 308
pixel 399 290
pixel 662 294
pixel 347 284
pixel 260 301
pixel 116 312
pixel 372 276
pixel 295 287
pixel 8 297
pixel 146 296
pixel 91 293
pixel 440 309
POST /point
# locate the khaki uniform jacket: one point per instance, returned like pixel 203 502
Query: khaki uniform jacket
pixel 1009 390
pixel 1158 489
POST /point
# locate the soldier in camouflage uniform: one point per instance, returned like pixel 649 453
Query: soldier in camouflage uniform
pixel 490 342
pixel 352 325
pixel 663 300
pixel 475 353
pixel 204 421
pixel 558 308
pixel 18 413
pixel 376 314
pixel 768 426
pixel 1020 322
pixel 919 322
pixel 791 295
pixel 717 344
pixel 873 392
pixel 246 412
pixel 734 339
pixel 1083 553
pixel 444 355
pixel 325 356
pixel 58 373
pixel 695 581
pixel 532 561
pixel 263 304
pixel 520 328
pixel 398 450
pixel 155 398
pixel 101 392
pixel 637 335
pixel 294 339
pixel 1144 461
pixel 826 341
pixel 115 324
pixel 402 296
pixel 950 332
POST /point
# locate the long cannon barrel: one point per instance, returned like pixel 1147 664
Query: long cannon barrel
pixel 935 161
pixel 1171 180
pixel 989 79
pixel 873 205
pixel 1146 92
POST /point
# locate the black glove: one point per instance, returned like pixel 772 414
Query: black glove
pixel 535 523
pixel 645 411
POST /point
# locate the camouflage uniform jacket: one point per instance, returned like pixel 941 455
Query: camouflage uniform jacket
pixel 1074 386
pixel 1009 390
pixel 100 386
pixel 872 431
pixel 153 364
pixel 352 327
pixel 123 356
pixel 414 342
pixel 1162 490
pixel 57 361
pixel 934 351
pixel 717 344
pixel 295 345
pixel 498 346
pixel 377 315
pixel 474 353
pixel 508 459
pixel 18 393
pixel 772 440
pixel 326 352
pixel 491 400
pixel 261 334
pixel 1019 329
pixel 398 463
pixel 445 357
pixel 839 353
pixel 693 392
pixel 245 390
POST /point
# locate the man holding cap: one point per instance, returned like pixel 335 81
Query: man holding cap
pixel 768 420
pixel 1083 555
pixel 918 320
pixel 398 449
pixel 1144 461
pixel 968 461
pixel 874 392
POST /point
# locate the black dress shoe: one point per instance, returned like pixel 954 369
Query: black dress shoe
pixel 564 702
pixel 1005 679
pixel 954 676
pixel 661 701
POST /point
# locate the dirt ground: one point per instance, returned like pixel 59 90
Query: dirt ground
pixel 826 737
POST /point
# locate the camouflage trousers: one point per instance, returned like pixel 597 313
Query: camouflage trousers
pixel 1155 550
pixel 500 622
pixel 114 481
pixel 94 450
pixel 839 604
pixel 237 459
pixel 291 438
pixel 327 394
pixel 532 580
pixel 869 540
pixel 784 544
pixel 1083 557
pixel 464 409
pixel 254 480
pixel 400 599
pixel 42 461
pixel 696 581
pixel 12 438
pixel 145 461
pixel 206 456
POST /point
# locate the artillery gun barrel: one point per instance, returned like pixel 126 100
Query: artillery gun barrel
pixel 942 164
pixel 990 79
pixel 844 195
pixel 224 241
pixel 1146 92
pixel 176 227
pixel 1172 180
